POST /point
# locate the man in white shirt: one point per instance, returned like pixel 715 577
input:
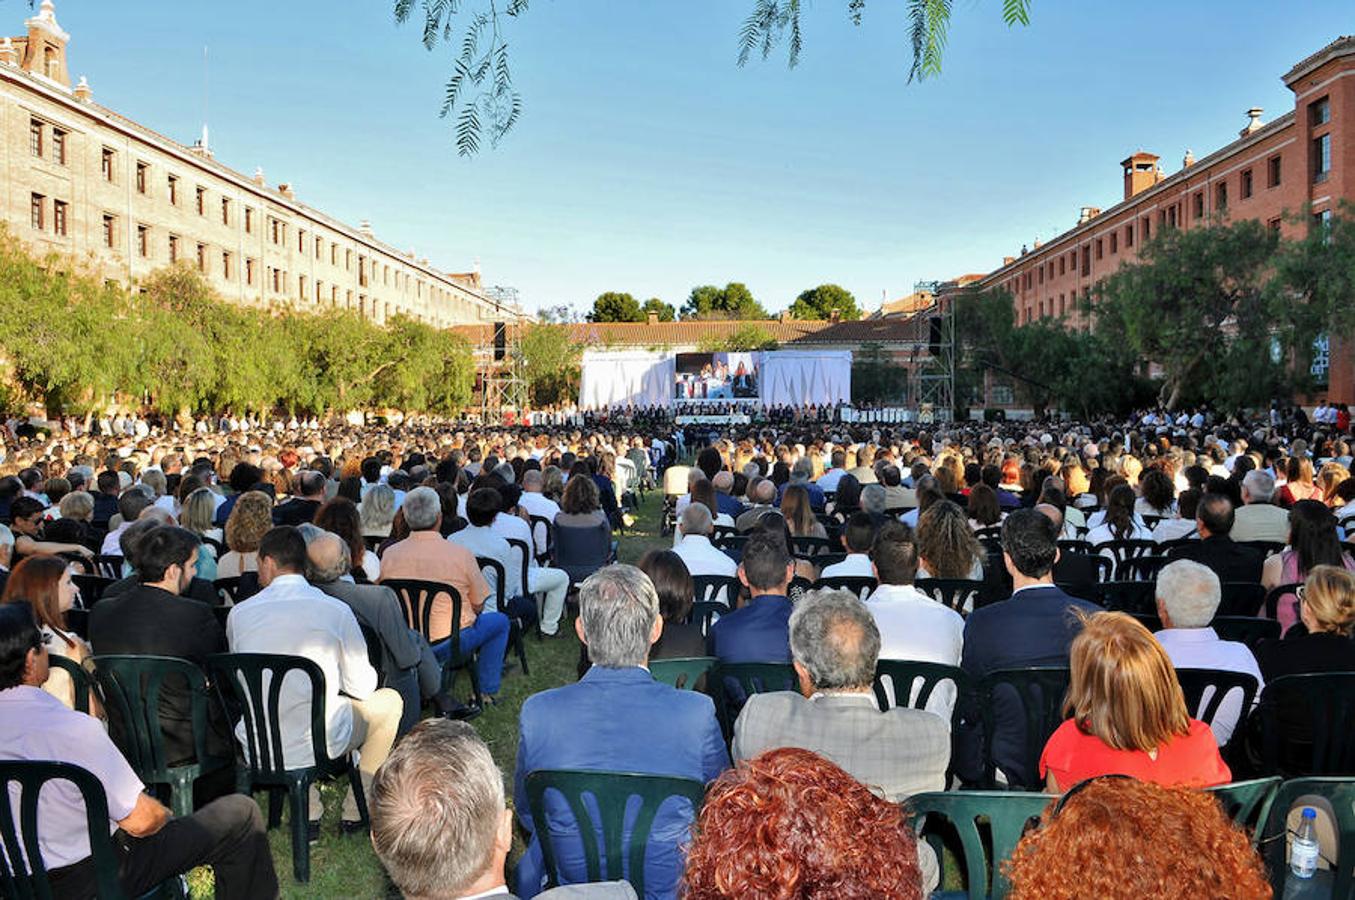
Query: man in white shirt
pixel 912 625
pixel 1188 595
pixel 482 505
pixel 553 583
pixel 535 502
pixel 289 616
pixel 1258 519
pixel 859 534
pixel 828 480
pixel 695 548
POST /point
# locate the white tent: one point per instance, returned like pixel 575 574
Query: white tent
pixel 619 377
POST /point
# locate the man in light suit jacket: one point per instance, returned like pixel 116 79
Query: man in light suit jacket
pixel 834 645
pixel 1033 628
pixel 616 718
pixel 440 825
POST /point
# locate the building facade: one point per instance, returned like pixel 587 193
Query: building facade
pixel 84 182
pixel 1304 159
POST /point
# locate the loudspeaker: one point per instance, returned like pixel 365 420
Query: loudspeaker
pixel 934 335
pixel 500 335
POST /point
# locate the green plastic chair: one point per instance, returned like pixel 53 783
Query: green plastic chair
pixel 240 677
pixel 1007 815
pixel 1247 802
pixel 1196 682
pixel 904 676
pixel 79 679
pixel 611 793
pixel 32 883
pixel 1249 630
pixel 734 683
pixel 959 594
pixel 682 672
pixel 416 601
pixel 1326 746
pixel 1040 691
pixel 1340 793
pixel 131 687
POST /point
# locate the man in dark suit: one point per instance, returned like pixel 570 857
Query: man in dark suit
pixel 199 589
pixel 440 824
pixel 759 631
pixel 1076 573
pixel 105 498
pixel 1215 549
pixel 301 508
pixel 1034 627
pixel 155 619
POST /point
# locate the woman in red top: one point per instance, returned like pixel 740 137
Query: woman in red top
pixel 1128 714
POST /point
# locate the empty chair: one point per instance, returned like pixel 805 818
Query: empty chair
pixel 582 551
pixel 859 585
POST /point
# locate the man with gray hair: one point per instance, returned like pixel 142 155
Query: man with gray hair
pixel 700 555
pixel 617 718
pixel 1259 519
pixel 834 645
pixel 1188 595
pixel 762 494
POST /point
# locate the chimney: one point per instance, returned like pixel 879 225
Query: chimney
pixel 8 55
pixel 1141 172
pixel 1008 260
pixel 82 90
pixel 785 316
pixel 258 176
pixel 835 316
pixel 365 227
pixel 285 189
pixel 1037 245
pixel 652 318
pixel 1088 213
pixel 1188 160
pixel 1254 123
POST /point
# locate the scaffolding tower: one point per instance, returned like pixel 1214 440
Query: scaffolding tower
pixel 503 381
pixel 934 380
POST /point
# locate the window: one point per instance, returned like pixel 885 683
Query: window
pixel 1321 157
pixel 1322 219
pixel 1246 184
pixel 1274 224
pixel 301 240
pixel 35 210
pixel 142 241
pixel 333 295
pixel 362 271
pixel 1063 266
pixel 333 254
pixel 173 248
pixel 1199 204
pixel 109 231
pixel 106 164
pixel 1221 197
pixel 1319 112
pixel 1099 248
pixel 1040 279
pixel 275 229
pixel 1114 242
pixel 319 243
pixel 348 260
pixel 1147 228
pixel 201 200
pixel 141 177
pixel 1273 167
pixel 1128 236
pixel 1086 261
pixel 226 264
pixel 225 210
pixel 59 217
pixel 319 290
pixel 249 221
pixel 277 281
pixel 58 146
pixel 35 137
pixel 301 287
pixel 249 271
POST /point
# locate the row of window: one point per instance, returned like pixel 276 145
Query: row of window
pixel 47 141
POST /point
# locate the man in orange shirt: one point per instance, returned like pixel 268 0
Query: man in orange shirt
pixel 428 556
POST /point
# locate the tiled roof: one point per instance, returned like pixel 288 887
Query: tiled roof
pixel 1340 46
pixel 791 332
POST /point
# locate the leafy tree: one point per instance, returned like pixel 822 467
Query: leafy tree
pixel 746 337
pixel 666 311
pixel 733 301
pixel 551 361
pixel 1314 279
pixel 479 94
pixel 616 307
pixel 820 302
pixel 875 377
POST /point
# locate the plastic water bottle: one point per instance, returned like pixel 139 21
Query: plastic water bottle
pixel 1303 850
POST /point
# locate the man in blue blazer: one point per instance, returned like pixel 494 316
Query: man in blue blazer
pixel 616 718
pixel 759 631
pixel 1034 627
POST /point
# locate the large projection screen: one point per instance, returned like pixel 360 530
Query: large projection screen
pixel 626 377
pixel 804 377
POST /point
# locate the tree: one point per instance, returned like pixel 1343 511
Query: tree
pixel 615 307
pixel 820 302
pixel 746 337
pixel 479 94
pixel 733 301
pixel 875 377
pixel 1315 280
pixel 551 361
pixel 665 311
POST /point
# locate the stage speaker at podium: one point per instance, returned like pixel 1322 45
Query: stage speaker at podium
pixel 500 340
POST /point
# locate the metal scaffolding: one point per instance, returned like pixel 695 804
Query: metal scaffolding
pixel 934 379
pixel 503 382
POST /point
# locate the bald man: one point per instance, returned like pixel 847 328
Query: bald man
pixel 763 494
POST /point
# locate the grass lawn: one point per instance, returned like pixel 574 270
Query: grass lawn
pixel 346 866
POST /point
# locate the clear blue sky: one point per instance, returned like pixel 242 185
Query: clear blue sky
pixel 647 162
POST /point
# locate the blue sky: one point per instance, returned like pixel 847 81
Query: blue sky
pixel 647 161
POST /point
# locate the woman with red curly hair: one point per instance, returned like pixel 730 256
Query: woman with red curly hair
pixel 1117 838
pixel 790 825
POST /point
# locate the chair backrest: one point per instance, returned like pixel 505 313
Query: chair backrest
pixel 581 551
pixel 1165 548
pixel 108 565
pixel 681 672
pixel 810 547
pixel 705 612
pixel 1249 630
pixel 1151 622
pixel 728 542
pixel 416 601
pixel 1040 691
pixel 494 573
pixel 734 683
pixel 1122 551
pixel 799 586
pixel 902 682
pixel 1246 802
pixel 860 585
pixel 131 687
pixel 1266 548
pixel 543 536
pixel 1008 815
pixel 237 588
pixel 989 532
pixel 1143 568
pixel 716 589
pixel 1242 598
pixel 1339 794
pixel 1071 545
pixel 1128 596
pixel 519 546
pixel 723 531
pixel 1277 593
pixel 91 587
pixel 612 814
pixel 23 874
pixel 1206 689
pixel 959 594
pixel 79 677
pixel 1325 704
pixel 251 689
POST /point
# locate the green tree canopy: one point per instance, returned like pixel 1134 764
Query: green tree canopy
pixel 733 301
pixel 616 307
pixel 746 337
pixel 819 303
pixel 665 311
pixel 551 361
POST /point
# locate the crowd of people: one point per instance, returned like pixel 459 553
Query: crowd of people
pixel 808 542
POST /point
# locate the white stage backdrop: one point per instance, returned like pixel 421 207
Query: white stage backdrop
pixel 802 377
pixel 620 377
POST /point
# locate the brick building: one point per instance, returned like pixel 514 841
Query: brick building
pixel 84 182
pixel 1305 157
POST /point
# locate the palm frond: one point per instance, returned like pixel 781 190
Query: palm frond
pixel 1016 12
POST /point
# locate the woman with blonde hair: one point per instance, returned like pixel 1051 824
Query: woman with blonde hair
pixel 1128 715
pixel 250 519
pixel 799 516
pixel 195 515
pixel 1323 644
pixel 946 546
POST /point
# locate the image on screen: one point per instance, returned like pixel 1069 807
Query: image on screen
pixel 716 376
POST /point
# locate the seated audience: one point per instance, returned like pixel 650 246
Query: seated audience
pixel 1122 839
pixel 617 717
pixel 758 631
pixel 698 553
pixel 1215 549
pixel 792 825
pixel 341 516
pixel 1120 522
pixel 1128 715
pixel 26 522
pixel 673 583
pixel 858 535
pixel 302 507
pixel 1312 543
pixel 580 506
pixel 1260 519
pixel 1323 644
pixel 946 546
pixel 1188 596
pixel 762 498
pixel 250 519
pixel 45 583
pixel 151 845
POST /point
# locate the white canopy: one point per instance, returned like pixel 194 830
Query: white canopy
pixel 802 377
pixel 620 377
